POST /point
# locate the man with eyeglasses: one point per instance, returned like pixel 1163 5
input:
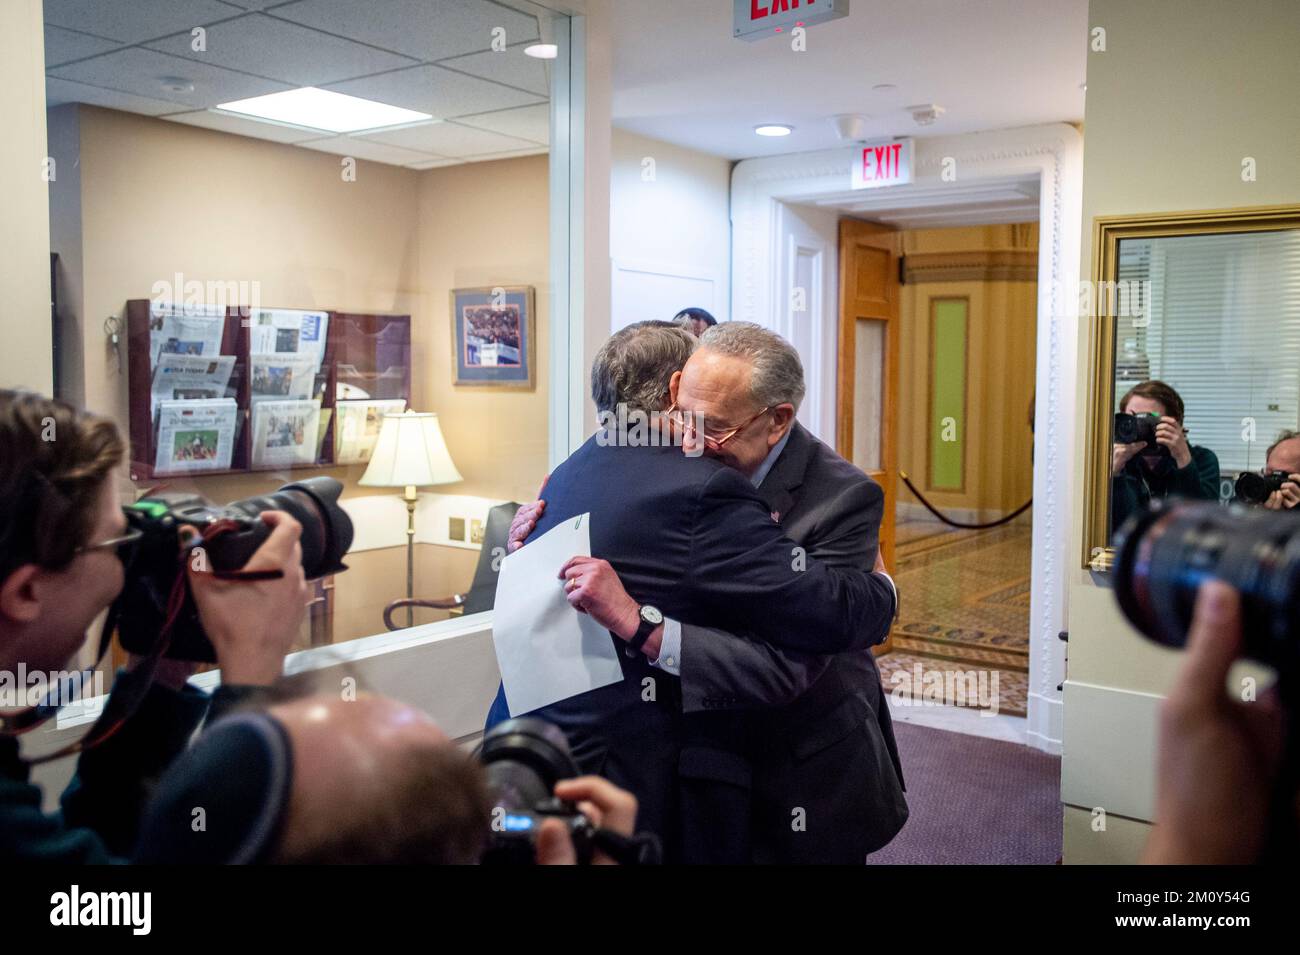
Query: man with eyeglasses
pixel 788 756
pixel 64 546
pixel 692 540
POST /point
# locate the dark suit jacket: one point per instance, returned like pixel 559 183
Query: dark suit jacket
pixel 692 537
pixel 790 757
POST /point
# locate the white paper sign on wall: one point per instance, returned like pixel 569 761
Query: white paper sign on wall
pixel 756 19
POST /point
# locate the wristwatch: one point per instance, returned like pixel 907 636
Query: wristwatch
pixel 650 618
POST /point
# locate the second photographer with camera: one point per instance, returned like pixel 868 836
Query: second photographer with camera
pixel 65 549
pixel 1152 458
pixel 1277 487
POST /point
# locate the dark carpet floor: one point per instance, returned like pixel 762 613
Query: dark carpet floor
pixel 975 801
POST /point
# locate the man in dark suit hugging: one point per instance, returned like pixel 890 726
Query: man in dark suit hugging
pixel 736 749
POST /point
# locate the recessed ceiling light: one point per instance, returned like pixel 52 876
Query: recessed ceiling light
pixel 543 51
pixel 176 84
pixel 322 109
pixel 884 88
pixel 773 129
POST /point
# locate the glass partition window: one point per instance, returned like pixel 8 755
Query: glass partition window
pixel 328 265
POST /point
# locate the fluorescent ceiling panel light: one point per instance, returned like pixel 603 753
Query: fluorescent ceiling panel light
pixel 322 109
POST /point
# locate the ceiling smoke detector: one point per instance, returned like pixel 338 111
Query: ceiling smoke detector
pixel 926 113
pixel 850 127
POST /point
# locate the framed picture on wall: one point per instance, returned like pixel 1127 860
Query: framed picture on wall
pixel 492 333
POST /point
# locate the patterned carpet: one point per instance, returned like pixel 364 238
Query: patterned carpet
pixel 965 607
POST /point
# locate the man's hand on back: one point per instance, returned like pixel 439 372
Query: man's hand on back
pixel 526 519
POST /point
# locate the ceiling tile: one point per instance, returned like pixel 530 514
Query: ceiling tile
pixel 365 149
pixel 433 90
pixel 247 127
pixel 63 46
pixel 511 67
pixel 133 21
pixel 139 71
pixel 59 91
pixel 419 28
pixel 448 139
pixel 510 154
pixel 283 51
pixel 528 122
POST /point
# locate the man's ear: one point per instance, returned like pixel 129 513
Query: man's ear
pixel 19 594
pixel 673 382
pixel 782 420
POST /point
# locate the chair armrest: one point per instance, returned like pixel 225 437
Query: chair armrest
pixel 442 603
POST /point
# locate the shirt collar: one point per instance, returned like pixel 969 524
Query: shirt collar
pixel 766 466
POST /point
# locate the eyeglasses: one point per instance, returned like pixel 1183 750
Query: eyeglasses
pixel 124 545
pixel 713 442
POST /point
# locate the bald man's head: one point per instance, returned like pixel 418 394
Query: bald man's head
pixel 376 781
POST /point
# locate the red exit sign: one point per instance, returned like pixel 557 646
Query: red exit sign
pixel 882 164
pixel 755 19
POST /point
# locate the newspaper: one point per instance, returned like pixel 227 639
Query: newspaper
pixel 285 432
pixel 187 377
pixel 357 428
pixel 185 330
pixel 281 331
pixel 283 376
pixel 196 435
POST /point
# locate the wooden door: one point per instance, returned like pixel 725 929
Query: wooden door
pixel 867 364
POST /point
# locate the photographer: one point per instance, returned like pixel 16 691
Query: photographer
pixel 322 780
pixel 64 548
pixel 1284 456
pixel 1167 466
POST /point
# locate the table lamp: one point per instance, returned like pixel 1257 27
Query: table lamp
pixel 410 453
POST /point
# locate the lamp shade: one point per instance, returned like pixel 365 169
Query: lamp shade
pixel 410 452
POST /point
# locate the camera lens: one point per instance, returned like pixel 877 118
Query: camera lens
pixel 1163 556
pixel 326 528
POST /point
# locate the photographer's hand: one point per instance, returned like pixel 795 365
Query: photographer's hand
pixel 607 806
pixel 1287 497
pixel 1170 434
pixel 253 623
pixel 1218 757
pixel 1124 453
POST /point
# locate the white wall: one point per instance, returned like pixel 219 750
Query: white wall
pixel 670 230
pixel 1185 90
pixel 26 359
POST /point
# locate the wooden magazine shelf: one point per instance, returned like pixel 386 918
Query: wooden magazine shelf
pixel 364 357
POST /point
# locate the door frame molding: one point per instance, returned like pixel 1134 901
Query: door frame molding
pixel 1055 154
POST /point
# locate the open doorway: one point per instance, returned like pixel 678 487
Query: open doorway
pixel 938 326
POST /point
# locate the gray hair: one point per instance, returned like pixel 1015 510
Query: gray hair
pixel 634 366
pixel 777 376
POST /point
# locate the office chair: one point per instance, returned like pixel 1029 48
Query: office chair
pixel 483 590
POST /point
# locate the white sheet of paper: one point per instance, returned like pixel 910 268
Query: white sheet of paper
pixel 546 650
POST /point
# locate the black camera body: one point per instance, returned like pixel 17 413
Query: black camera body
pixel 141 610
pixel 1135 428
pixel 1255 488
pixel 524 758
